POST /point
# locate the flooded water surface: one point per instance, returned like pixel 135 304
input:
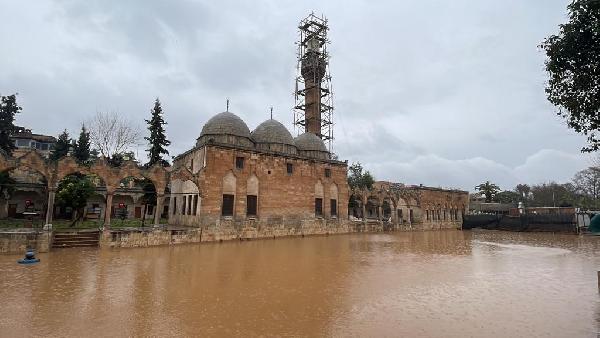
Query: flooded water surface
pixel 449 283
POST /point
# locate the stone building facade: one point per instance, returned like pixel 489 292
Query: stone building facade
pixel 409 207
pixel 264 178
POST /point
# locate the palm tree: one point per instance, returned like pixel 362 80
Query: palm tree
pixel 488 189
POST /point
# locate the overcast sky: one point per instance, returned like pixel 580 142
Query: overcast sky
pixel 442 93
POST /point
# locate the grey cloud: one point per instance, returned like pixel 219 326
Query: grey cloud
pixel 432 92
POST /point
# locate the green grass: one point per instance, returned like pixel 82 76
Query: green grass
pixel 12 223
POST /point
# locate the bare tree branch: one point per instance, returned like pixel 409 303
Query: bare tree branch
pixel 112 134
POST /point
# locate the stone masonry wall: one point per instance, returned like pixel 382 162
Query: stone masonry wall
pixel 282 197
pixel 16 242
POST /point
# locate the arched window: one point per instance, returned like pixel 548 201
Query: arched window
pixel 252 196
pixel 229 188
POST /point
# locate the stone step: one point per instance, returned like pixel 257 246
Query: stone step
pixel 75 237
pixel 74 245
pixel 86 240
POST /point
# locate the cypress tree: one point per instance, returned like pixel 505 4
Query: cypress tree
pixel 157 139
pixel 8 109
pixel 62 146
pixel 81 149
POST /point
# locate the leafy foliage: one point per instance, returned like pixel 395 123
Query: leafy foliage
pixel 6 185
pixel 573 65
pixel 507 197
pixel 118 159
pixel 62 146
pixel 357 179
pixel 157 139
pixel 489 190
pixel 82 148
pixel 8 109
pixel 74 191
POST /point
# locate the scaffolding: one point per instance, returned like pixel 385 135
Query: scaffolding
pixel 313 95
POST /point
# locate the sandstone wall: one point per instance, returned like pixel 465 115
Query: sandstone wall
pixel 17 242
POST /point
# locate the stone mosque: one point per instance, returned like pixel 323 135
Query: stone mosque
pixel 269 183
pixel 241 184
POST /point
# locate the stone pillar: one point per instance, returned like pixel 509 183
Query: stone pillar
pixel 395 218
pixel 379 209
pixel 158 210
pixel 108 209
pixel 50 209
pixel 364 212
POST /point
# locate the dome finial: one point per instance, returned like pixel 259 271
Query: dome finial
pixel 227 108
pixel 271 112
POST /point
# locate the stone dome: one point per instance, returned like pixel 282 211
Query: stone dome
pixel 226 123
pixel 272 131
pixel 310 142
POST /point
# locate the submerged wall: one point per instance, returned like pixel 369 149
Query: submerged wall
pixel 231 230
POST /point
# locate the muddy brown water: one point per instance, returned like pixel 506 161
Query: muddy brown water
pixel 444 284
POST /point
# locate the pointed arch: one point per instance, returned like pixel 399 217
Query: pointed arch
pixel 229 183
pixel 252 185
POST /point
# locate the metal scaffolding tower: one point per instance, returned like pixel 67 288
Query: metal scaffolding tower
pixel 313 109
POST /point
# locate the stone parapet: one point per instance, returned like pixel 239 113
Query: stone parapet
pixel 18 241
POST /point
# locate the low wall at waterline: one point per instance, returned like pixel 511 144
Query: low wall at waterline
pixel 17 241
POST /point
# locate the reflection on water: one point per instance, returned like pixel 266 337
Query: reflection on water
pixel 447 283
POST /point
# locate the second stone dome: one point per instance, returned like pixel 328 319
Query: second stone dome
pixel 274 136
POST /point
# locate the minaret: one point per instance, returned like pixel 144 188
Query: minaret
pixel 313 95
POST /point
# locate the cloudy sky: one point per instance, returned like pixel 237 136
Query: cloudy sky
pixel 443 93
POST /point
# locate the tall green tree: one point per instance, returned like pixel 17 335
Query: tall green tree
pixel 74 191
pixel 81 149
pixel 8 109
pixel 158 139
pixel 61 147
pixel 357 179
pixel 489 190
pixel 572 64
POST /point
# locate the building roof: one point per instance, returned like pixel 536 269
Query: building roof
pixel 36 137
pixel 310 142
pixel 272 131
pixel 226 123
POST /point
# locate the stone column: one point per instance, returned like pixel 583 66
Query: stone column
pixel 158 211
pixel 108 209
pixel 364 212
pixel 50 209
pixel 379 209
pixel 395 218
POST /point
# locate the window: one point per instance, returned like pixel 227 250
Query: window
pixel 251 202
pixel 427 215
pixel 239 162
pixel 150 210
pixel 290 168
pixel 195 205
pixel 174 205
pixel 183 205
pixel 333 204
pixel 227 207
pixel 189 208
pixel 44 146
pixel 327 172
pixel 318 207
